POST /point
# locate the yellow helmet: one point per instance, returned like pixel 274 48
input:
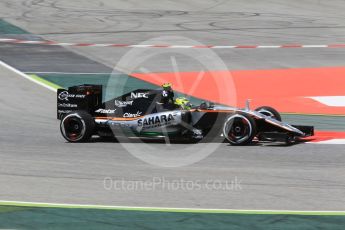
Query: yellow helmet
pixel 167 85
pixel 183 103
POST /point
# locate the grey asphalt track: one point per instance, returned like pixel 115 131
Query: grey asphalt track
pixel 38 165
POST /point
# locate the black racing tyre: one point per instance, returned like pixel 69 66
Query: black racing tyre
pixel 77 126
pixel 269 111
pixel 239 129
pixel 290 139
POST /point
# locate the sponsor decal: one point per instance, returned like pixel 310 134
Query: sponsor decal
pixel 122 103
pixel 64 111
pixel 139 95
pixel 138 114
pixel 67 105
pixel 115 124
pixel 105 110
pixel 156 121
pixel 64 96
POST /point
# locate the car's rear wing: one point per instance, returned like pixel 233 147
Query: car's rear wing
pixel 81 97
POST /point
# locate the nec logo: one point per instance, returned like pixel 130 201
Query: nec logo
pixel 139 95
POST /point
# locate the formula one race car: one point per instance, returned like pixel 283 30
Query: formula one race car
pixel 141 114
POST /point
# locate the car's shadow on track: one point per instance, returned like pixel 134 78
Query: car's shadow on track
pixel 280 144
pixel 172 141
pixel 149 141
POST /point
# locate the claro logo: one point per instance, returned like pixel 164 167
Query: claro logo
pixel 139 95
pixel 138 114
pixel 64 96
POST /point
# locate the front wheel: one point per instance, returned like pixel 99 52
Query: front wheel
pixel 77 126
pixel 239 129
pixel 270 112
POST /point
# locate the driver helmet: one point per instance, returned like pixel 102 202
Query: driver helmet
pixel 183 103
pixel 167 86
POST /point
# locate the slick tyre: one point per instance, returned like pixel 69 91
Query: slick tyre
pixel 77 126
pixel 239 129
pixel 269 111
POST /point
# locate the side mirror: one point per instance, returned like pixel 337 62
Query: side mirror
pixel 248 104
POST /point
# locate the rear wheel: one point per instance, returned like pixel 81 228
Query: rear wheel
pixel 77 126
pixel 239 129
pixel 270 112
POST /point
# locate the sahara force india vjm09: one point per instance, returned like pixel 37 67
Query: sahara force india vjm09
pixel 141 114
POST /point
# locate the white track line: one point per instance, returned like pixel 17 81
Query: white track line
pixel 70 73
pixel 3 64
pixel 210 210
pixel 7 40
pixel 330 142
pixel 267 47
pixel 333 101
pixel 223 47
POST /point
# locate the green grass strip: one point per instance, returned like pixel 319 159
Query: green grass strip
pixel 43 81
pixel 8 28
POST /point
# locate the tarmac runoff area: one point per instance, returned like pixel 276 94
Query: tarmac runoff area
pixel 38 166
